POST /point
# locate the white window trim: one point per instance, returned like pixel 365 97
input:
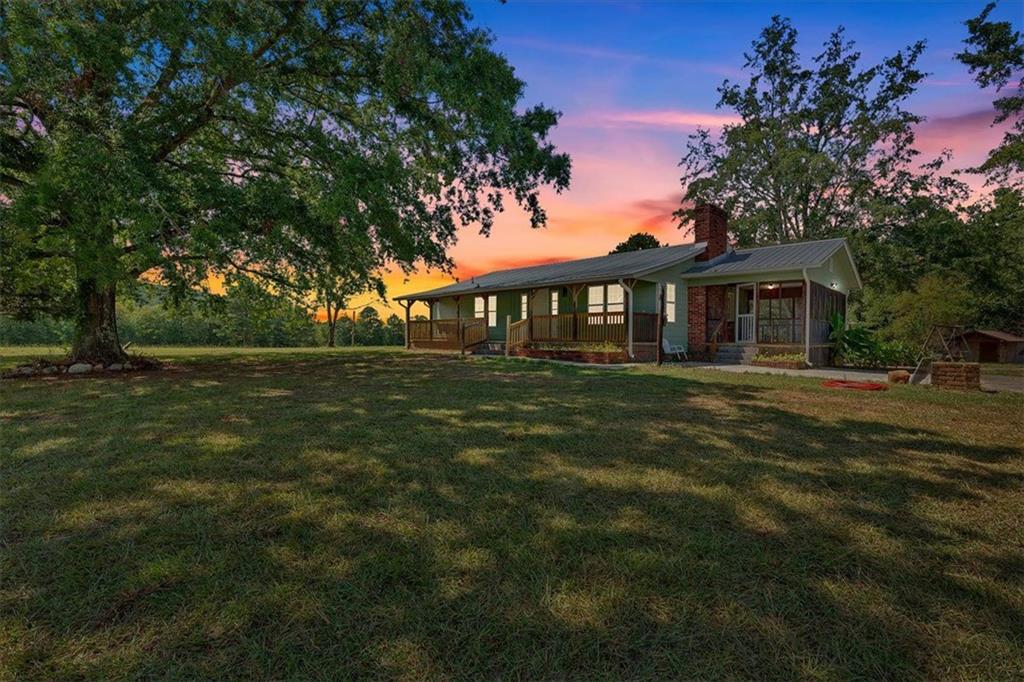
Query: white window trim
pixel 553 302
pixel 620 305
pixel 670 303
pixel 491 306
pixel 595 306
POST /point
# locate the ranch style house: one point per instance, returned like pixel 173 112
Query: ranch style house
pixel 706 297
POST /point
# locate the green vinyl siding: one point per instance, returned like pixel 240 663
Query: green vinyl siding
pixel 645 299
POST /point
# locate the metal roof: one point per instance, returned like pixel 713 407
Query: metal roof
pixel 600 268
pixel 768 258
pixel 999 335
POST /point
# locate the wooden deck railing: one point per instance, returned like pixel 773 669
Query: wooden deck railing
pixel 473 332
pixel 593 327
pixel 448 334
pixel 517 334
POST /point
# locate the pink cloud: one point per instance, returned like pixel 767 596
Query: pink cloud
pixel 970 136
pixel 670 119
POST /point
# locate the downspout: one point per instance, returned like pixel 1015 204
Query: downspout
pixel 807 318
pixel 629 317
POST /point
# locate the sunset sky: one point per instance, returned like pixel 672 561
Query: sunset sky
pixel 633 80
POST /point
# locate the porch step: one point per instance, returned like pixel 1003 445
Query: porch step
pixel 490 348
pixel 735 355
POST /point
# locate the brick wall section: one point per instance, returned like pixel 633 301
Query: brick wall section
pixel 697 319
pixel 957 376
pixel 711 225
pixel 715 303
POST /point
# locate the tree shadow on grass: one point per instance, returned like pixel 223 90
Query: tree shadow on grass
pixel 426 516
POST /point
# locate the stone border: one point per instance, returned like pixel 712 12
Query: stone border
pixel 44 368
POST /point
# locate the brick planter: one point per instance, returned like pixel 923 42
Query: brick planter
pixel 593 357
pixel 956 376
pixel 780 364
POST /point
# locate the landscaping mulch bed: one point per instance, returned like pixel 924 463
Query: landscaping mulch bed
pixel 780 364
pixel 593 357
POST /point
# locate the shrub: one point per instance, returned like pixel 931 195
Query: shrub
pixel 779 357
pixel 582 346
pixel 862 347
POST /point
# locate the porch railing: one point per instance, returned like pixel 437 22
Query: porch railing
pixel 593 327
pixel 473 332
pixel 517 334
pixel 449 334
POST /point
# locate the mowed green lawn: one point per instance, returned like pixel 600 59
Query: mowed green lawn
pixel 346 514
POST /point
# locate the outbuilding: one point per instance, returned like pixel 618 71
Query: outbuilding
pixel 990 345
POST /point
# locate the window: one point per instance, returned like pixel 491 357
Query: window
pixel 616 298
pixel 595 299
pixel 524 303
pixel 492 311
pixel 554 302
pixel 670 302
pixel 478 307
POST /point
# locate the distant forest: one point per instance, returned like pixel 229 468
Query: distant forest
pixel 245 315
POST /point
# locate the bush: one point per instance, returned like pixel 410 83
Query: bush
pixel 862 347
pixel 779 357
pixel 583 346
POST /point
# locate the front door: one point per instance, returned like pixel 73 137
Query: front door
pixel 744 314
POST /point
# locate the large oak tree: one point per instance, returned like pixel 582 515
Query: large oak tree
pixel 176 139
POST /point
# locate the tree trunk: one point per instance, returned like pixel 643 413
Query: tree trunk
pixel 96 339
pixel 332 327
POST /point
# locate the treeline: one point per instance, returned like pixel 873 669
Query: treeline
pixel 245 315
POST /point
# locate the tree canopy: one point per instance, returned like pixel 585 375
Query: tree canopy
pixel 995 55
pixel 820 149
pixel 637 242
pixel 172 140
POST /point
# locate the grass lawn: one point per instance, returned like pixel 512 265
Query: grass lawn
pixel 299 514
pixel 1005 369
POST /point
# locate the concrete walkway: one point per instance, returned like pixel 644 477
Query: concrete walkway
pixel 988 382
pixel 833 373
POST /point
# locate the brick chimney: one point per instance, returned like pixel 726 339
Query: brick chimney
pixel 711 225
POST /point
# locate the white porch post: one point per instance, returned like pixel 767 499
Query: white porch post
pixel 629 317
pixel 807 318
pixel 757 312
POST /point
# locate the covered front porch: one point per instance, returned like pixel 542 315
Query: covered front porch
pixel 621 313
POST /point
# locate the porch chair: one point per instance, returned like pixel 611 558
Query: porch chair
pixel 669 349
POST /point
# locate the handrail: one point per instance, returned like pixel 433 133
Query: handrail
pixel 518 334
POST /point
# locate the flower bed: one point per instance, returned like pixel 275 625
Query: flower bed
pixel 599 354
pixel 780 360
